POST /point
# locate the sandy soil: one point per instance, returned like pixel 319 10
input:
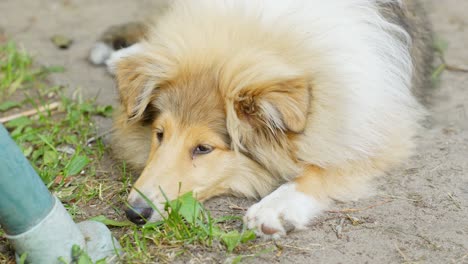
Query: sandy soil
pixel 420 211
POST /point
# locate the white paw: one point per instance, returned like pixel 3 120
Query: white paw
pixel 281 211
pixel 100 53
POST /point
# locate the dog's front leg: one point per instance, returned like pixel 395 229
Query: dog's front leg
pixel 292 206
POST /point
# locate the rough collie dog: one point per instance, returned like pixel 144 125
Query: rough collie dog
pixel 297 102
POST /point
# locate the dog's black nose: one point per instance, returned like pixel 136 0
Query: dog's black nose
pixel 139 215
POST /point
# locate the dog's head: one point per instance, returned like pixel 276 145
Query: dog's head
pixel 214 130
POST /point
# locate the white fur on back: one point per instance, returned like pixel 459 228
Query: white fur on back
pixel 362 72
pixel 359 65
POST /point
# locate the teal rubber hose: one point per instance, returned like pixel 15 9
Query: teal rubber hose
pixel 24 199
pixel 36 223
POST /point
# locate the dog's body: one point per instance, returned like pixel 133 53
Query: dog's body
pixel 241 96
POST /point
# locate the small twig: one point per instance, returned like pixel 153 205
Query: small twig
pixel 49 107
pixel 236 207
pixel 455 202
pixel 449 67
pixel 354 221
pixel 436 167
pixel 406 260
pixel 301 248
pixel 401 253
pixel 352 210
pixel 339 229
pixel 260 245
pixel 460 260
pixel 400 198
pixel 427 240
pixel 221 210
pixel 455 68
pixel 280 250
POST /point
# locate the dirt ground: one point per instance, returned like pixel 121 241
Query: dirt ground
pixel 420 211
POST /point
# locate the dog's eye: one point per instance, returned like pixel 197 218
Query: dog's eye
pixel 160 135
pixel 202 149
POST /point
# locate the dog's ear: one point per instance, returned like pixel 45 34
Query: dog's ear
pixel 279 105
pixel 136 88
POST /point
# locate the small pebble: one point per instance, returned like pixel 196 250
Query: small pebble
pixel 61 41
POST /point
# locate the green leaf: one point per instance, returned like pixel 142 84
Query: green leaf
pixel 8 105
pixel 23 258
pixel 440 45
pixel 79 256
pixel 37 154
pixel 62 260
pixel 50 157
pixel 101 261
pixel 247 236
pixel 71 139
pixel 187 206
pixel 231 239
pixel 17 132
pixel 27 151
pixel 76 164
pixel 87 107
pixel 84 259
pixel 47 141
pixel 105 111
pixel 19 122
pixel 237 259
pixel 76 252
pixel 110 222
